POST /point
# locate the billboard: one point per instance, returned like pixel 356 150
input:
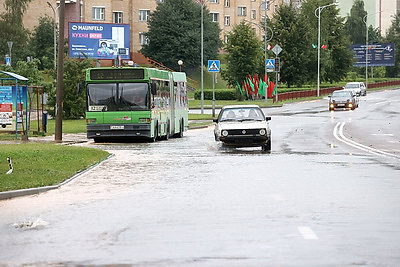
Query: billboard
pixel 378 55
pixel 12 102
pixel 99 40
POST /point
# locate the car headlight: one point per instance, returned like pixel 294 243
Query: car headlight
pixel 224 133
pixel 262 131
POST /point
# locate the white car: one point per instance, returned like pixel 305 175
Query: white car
pixel 357 87
pixel 243 126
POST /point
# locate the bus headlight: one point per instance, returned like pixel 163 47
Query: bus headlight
pixel 262 131
pixel 224 133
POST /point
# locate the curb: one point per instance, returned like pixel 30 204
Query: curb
pixel 38 190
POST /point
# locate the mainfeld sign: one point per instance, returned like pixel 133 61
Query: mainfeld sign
pixel 378 55
pixel 99 40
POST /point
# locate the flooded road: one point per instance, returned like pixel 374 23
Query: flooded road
pixel 314 200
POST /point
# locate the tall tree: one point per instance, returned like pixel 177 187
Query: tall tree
pixel 393 36
pixel 12 29
pixel 174 34
pixel 335 57
pixel 42 42
pixel 293 34
pixel 355 26
pixel 244 55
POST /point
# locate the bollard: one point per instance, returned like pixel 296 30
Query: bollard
pixel 44 121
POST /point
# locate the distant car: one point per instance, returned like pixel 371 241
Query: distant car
pixel 358 87
pixel 346 99
pixel 243 126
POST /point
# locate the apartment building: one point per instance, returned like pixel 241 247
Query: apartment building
pixel 227 13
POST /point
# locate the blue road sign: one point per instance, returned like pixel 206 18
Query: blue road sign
pixel 8 61
pixel 214 65
pixel 270 63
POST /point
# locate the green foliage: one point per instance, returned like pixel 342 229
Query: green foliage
pixel 337 59
pixel 220 94
pixel 174 34
pixel 244 55
pixel 30 70
pixel 354 25
pixel 293 34
pixel 12 29
pixel 73 102
pixel 393 36
pixel 42 42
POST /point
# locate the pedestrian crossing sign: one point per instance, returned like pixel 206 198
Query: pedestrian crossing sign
pixel 270 63
pixel 214 66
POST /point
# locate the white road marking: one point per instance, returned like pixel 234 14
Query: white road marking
pixel 339 135
pixel 307 232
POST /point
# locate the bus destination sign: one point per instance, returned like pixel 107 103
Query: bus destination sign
pixel 117 74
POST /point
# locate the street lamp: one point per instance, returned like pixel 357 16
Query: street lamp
pixel 366 47
pixel 55 33
pixel 180 63
pixel 319 9
pixel 10 44
pixel 202 2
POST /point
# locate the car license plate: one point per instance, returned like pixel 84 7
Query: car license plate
pixel 341 105
pixel 117 127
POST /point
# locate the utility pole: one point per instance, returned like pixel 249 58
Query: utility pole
pixel 60 74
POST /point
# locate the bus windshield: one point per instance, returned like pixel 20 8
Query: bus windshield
pixel 118 96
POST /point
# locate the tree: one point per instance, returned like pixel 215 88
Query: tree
pixel 354 25
pixel 291 32
pixel 12 29
pixel 393 36
pixel 174 34
pixel 74 103
pixel 244 55
pixel 336 58
pixel 42 42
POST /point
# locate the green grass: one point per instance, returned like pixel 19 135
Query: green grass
pixel 39 164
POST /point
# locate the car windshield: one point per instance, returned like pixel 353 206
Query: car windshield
pixel 352 85
pixel 341 94
pixel 242 114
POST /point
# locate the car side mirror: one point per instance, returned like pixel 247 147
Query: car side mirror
pixel 215 120
pixel 267 118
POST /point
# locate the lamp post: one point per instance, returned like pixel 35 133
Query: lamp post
pixel 10 44
pixel 180 63
pixel 202 2
pixel 55 33
pixel 366 47
pixel 319 9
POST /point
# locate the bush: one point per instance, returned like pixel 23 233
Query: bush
pixel 220 94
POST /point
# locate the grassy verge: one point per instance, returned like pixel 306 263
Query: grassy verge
pixel 37 164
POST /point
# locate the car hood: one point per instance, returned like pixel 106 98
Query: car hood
pixel 243 124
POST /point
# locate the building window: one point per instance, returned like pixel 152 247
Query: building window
pixel 214 1
pixel 143 40
pixel 264 6
pixel 253 14
pixel 227 21
pixel 117 17
pixel 242 11
pixel 160 1
pixel 144 15
pixel 98 13
pixel 227 3
pixel 215 17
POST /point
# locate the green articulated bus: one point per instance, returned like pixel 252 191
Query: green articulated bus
pixel 135 103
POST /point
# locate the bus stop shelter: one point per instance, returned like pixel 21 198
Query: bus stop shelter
pixel 14 103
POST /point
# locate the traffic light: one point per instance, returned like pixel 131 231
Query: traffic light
pixel 277 64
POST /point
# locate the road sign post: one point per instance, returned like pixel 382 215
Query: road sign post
pixel 277 49
pixel 214 66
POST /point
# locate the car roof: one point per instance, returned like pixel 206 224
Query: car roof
pixel 354 83
pixel 240 106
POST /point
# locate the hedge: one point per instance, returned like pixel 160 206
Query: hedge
pixel 220 94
